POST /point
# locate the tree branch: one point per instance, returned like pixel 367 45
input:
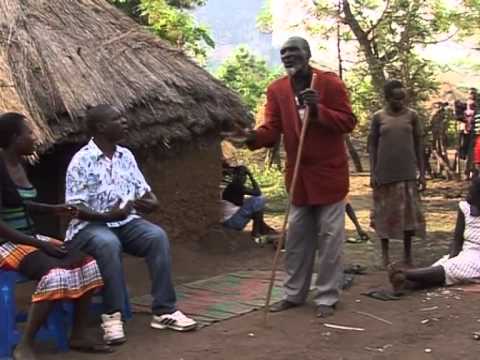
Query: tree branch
pixel 374 26
pixel 355 26
pixel 433 42
pixel 374 65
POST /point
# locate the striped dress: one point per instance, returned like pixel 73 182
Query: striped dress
pixel 465 267
pixel 67 278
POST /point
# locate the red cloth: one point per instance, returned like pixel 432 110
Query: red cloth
pixel 323 173
pixel 476 155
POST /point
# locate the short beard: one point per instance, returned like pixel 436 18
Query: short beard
pixel 294 70
pixel 291 71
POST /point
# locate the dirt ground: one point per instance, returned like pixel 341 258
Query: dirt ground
pixel 435 324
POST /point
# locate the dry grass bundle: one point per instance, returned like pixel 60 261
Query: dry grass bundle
pixel 58 57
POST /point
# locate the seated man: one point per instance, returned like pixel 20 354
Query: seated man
pixel 104 182
pixel 238 209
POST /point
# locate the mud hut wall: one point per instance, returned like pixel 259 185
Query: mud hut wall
pixel 185 179
pixel 187 184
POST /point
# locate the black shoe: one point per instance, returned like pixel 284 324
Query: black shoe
pixel 324 311
pixel 283 305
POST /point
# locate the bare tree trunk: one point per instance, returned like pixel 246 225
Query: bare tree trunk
pixel 375 65
pixel 351 149
pixel 354 155
pixel 339 42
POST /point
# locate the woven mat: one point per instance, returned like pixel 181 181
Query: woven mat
pixel 221 297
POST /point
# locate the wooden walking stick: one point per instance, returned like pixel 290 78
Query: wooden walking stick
pixel 281 241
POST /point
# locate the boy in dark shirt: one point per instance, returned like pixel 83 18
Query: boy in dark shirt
pixel 240 209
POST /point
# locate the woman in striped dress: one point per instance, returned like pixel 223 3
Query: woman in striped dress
pixel 60 275
pixel 462 265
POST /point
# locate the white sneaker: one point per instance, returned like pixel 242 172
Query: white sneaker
pixel 112 326
pixel 176 321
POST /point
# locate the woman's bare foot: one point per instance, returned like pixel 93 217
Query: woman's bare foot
pixel 397 279
pixel 23 352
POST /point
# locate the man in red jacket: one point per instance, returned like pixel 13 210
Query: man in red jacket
pixel 317 217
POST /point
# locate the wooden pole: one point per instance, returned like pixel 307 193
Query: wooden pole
pixel 281 241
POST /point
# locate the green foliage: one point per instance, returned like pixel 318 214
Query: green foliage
pixel 388 35
pixel 171 21
pixel 270 180
pixel 468 19
pixel 272 183
pixel 363 96
pixel 265 18
pixel 186 4
pixel 248 75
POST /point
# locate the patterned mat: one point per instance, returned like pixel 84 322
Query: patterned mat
pixel 221 297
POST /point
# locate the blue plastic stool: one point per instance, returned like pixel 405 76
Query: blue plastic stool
pixel 56 327
pixel 97 307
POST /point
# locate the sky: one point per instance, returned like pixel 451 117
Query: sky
pixel 233 23
pixel 288 14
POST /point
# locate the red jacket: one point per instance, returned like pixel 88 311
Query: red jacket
pixel 323 173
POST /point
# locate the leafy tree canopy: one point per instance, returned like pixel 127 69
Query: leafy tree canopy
pixel 172 22
pixel 248 75
pixel 389 36
pixel 265 18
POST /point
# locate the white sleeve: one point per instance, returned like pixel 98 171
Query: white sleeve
pixel 76 190
pixel 141 185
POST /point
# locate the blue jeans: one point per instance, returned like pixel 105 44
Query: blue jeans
pixel 241 218
pixel 139 238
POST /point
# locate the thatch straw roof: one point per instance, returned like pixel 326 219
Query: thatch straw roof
pixel 58 57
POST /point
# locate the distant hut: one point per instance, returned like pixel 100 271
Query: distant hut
pixel 59 57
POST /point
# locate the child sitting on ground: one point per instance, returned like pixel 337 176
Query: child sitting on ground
pixel 239 209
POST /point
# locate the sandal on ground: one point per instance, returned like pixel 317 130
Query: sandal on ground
pixel 364 236
pixel 354 240
pixel 361 238
pixel 381 294
pixel 90 346
pixel 355 269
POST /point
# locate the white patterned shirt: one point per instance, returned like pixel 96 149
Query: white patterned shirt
pixel 99 183
pixel 471 234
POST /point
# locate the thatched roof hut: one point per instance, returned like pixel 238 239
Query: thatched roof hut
pixel 58 57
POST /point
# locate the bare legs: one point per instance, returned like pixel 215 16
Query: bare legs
pixel 353 217
pixel 407 249
pixel 80 319
pixel 257 223
pixel 416 278
pixel 259 226
pixel 37 316
pixel 385 252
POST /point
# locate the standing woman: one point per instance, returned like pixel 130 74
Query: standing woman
pixel 396 152
pixel 60 275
